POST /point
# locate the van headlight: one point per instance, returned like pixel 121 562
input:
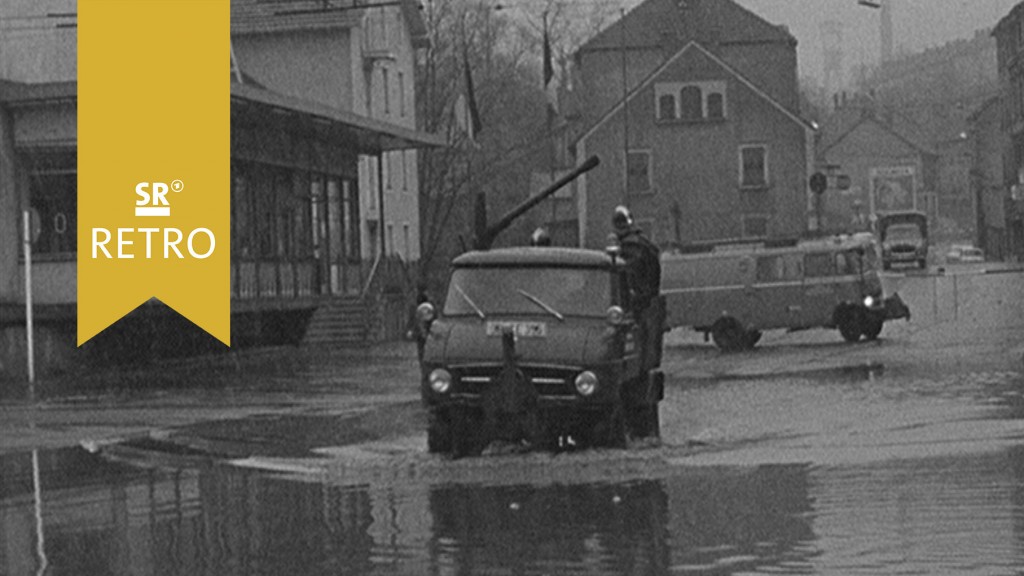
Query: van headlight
pixel 615 315
pixel 586 383
pixel 440 380
pixel 869 301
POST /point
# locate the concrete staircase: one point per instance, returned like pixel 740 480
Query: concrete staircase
pixel 341 321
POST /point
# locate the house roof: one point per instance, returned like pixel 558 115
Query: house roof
pixel 652 22
pixel 693 46
pixel 371 135
pixel 260 16
pixel 846 121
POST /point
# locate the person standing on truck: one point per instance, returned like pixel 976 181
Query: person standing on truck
pixel 643 277
pixel 642 259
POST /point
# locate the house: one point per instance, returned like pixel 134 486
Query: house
pixel 1009 34
pixel 889 164
pixel 693 109
pixel 323 174
pixel 986 140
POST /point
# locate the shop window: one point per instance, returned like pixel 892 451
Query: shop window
pixel 54 196
pixel 753 166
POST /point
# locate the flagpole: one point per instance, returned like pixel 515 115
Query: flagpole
pixel 549 73
pixel 625 108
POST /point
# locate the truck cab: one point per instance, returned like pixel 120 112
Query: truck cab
pixel 589 359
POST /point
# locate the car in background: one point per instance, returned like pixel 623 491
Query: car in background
pixel 904 238
pixel 964 253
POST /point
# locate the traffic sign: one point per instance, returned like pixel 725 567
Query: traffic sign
pixel 818 182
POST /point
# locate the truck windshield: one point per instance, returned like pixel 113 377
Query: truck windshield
pixel 498 291
pixel 899 232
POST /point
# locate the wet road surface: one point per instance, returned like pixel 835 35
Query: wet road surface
pixel 805 456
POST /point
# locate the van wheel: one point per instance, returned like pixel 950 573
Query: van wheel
pixel 467 436
pixel 728 334
pixel 850 320
pixel 873 325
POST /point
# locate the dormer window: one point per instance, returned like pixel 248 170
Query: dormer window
pixel 690 101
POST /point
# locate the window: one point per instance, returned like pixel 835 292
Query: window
pixel 405 233
pixel 387 91
pixel 666 107
pixel 818 265
pixel 638 172
pixel 405 172
pixel 753 166
pixel 401 94
pixel 769 269
pixel 716 106
pixel 691 103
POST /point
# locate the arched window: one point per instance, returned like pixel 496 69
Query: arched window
pixel 690 104
pixel 716 105
pixel 667 107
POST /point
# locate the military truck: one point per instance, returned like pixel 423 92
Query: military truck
pixel 584 364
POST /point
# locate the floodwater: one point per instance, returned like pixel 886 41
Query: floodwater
pixel 870 472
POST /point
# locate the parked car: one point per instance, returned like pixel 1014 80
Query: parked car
pixel 965 253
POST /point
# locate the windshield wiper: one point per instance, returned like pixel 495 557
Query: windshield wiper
pixel 469 301
pixel 538 302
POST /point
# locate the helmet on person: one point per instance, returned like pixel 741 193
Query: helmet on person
pixel 540 237
pixel 622 219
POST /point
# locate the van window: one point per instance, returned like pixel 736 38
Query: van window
pixel 769 269
pixel 818 265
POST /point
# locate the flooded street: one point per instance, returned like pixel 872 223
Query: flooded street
pixel 804 456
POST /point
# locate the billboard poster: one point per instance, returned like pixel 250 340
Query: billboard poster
pixel 892 188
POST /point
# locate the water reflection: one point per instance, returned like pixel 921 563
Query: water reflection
pixel 100 517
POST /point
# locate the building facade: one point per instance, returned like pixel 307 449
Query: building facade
pixel 693 110
pixel 888 165
pixel 319 130
pixel 1009 34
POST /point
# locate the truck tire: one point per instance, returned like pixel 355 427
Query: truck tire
pixel 439 432
pixel 610 429
pixel 644 421
pixel 467 432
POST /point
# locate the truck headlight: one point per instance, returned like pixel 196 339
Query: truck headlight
pixel 869 301
pixel 586 383
pixel 440 380
pixel 426 312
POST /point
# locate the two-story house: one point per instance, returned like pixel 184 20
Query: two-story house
pixel 1009 33
pixel 692 108
pixel 323 167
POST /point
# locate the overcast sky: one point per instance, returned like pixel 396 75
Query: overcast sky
pixel 917 24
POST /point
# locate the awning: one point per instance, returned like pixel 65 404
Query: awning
pixel 372 135
pixel 31 93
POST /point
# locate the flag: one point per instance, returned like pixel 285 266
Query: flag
pixel 468 111
pixel 550 89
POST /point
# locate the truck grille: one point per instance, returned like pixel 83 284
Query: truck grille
pixel 547 381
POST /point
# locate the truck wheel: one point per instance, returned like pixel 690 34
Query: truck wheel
pixel 850 320
pixel 610 429
pixel 467 432
pixel 728 334
pixel 873 325
pixel 439 433
pixel 644 421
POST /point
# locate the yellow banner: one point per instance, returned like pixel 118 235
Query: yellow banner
pixel 154 161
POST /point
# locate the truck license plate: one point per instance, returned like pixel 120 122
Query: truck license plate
pixel 520 329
